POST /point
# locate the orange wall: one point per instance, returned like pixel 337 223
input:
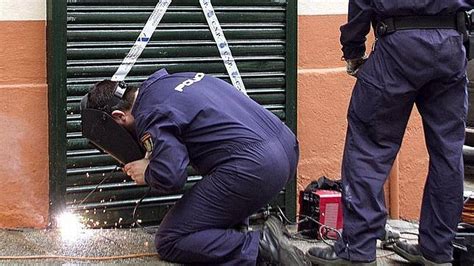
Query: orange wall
pixel 24 199
pixel 324 90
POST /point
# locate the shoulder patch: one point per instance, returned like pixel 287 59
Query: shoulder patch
pixel 147 142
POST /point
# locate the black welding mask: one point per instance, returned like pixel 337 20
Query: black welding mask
pixel 99 127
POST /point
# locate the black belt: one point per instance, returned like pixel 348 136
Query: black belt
pixel 393 24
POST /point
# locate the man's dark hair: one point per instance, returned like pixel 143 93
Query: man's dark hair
pixel 101 97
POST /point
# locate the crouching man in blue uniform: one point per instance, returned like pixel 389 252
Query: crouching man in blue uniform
pixel 245 154
pixel 419 59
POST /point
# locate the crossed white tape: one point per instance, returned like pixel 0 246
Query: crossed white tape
pixel 150 27
pixel 142 40
pixel 222 45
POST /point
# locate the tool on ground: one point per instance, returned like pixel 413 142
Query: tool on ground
pixel 321 201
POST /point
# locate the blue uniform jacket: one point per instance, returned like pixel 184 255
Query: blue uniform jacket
pixel 198 119
pixel 364 12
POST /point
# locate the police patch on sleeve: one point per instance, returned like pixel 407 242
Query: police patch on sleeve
pixel 147 142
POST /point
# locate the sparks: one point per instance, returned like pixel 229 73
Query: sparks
pixel 70 226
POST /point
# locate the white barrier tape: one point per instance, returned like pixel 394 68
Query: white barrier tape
pixel 222 45
pixel 142 40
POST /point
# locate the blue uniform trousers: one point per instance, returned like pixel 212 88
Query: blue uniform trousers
pixel 198 229
pixel 422 67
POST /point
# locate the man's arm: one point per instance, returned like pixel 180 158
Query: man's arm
pixel 166 170
pixel 353 34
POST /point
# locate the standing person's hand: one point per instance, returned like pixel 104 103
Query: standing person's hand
pixel 353 65
pixel 136 170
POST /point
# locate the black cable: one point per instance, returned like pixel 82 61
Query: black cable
pixel 324 230
pixel 100 183
pixel 284 216
pixel 137 205
pixel 324 236
pixel 134 214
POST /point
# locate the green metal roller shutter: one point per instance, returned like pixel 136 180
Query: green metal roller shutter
pixel 261 35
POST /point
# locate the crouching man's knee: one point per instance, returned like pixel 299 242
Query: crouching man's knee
pixel 165 247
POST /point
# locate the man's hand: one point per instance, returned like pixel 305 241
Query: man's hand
pixel 136 170
pixel 353 65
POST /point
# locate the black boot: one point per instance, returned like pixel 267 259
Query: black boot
pixel 327 256
pixel 412 253
pixel 275 248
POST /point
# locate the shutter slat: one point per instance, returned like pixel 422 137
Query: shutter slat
pixel 133 16
pixel 148 69
pixel 255 85
pixel 263 99
pixel 114 193
pixel 118 34
pixel 114 52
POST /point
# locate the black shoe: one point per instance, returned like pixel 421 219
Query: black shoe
pixel 327 256
pixel 275 248
pixel 412 253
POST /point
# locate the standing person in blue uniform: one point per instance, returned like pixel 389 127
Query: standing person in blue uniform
pixel 245 154
pixel 419 59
